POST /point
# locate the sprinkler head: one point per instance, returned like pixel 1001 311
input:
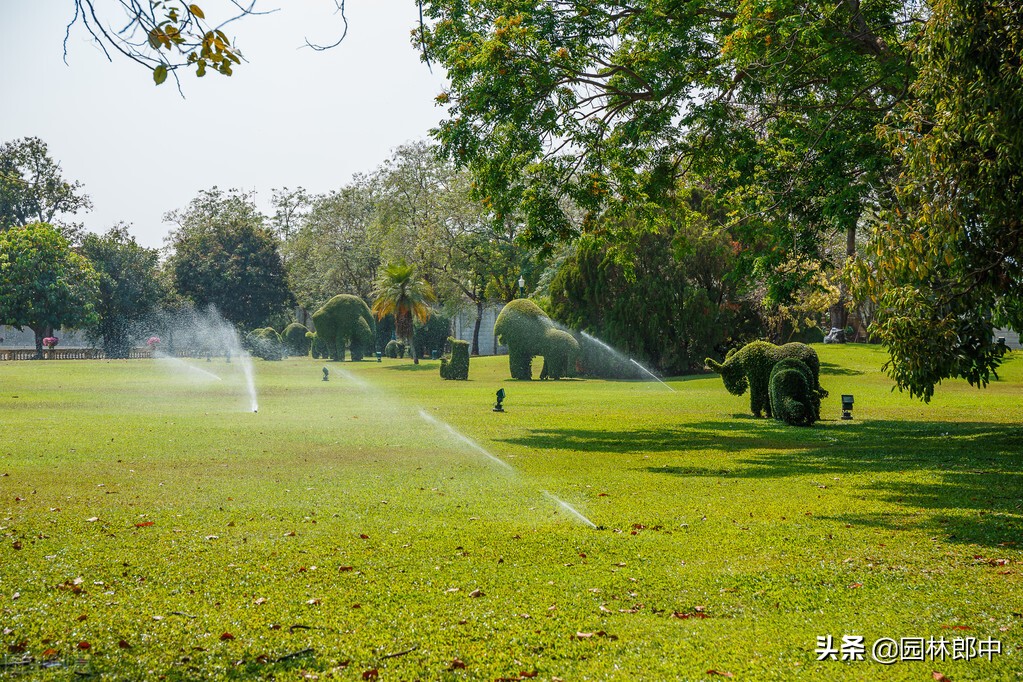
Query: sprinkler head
pixel 326 373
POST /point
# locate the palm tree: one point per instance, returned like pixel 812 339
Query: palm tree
pixel 399 292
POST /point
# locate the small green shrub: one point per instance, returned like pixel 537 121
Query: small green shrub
pixel 394 349
pixel 457 367
pixel 265 343
pixel 295 339
pixel 793 398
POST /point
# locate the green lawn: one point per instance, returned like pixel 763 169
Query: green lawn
pixel 146 512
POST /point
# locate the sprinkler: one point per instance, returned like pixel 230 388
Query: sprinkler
pixel 500 397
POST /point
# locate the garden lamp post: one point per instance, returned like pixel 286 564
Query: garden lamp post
pixel 500 398
pixel 847 405
pixel 522 286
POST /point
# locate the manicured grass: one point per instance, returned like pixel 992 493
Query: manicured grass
pixel 337 527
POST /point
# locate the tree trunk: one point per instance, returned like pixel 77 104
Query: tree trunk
pixel 476 328
pixel 839 312
pixel 40 335
pixel 412 344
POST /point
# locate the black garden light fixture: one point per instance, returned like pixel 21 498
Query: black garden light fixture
pixel 380 356
pixel 500 398
pixel 847 405
pixel 326 373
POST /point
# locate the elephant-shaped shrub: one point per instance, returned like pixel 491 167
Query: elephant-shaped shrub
pixel 527 331
pixel 457 366
pixel 793 399
pixel 345 320
pixel 751 366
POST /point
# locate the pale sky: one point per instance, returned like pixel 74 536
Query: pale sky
pixel 289 117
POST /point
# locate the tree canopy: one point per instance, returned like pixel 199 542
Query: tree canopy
pixel 129 288
pixel 43 283
pixel 32 187
pixel 776 109
pixel 223 255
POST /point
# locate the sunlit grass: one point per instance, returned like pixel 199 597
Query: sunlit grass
pixel 212 520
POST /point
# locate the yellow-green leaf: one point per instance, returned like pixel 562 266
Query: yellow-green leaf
pixel 196 12
pixel 160 74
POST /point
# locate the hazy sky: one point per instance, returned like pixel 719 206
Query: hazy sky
pixel 289 117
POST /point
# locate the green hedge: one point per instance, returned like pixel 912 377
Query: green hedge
pixel 457 367
pixel 295 339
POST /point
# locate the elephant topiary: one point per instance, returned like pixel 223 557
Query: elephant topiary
pixel 345 320
pixel 751 366
pixel 793 399
pixel 528 332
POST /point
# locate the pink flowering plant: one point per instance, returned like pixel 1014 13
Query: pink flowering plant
pixel 153 342
pixel 50 342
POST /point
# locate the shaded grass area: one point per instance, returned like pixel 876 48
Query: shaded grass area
pixel 731 543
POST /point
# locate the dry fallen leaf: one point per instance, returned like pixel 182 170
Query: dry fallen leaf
pixel 226 636
pixel 261 600
pixel 720 672
pixel 145 524
pixel 476 593
pixel 371 674
pixel 456 664
pixel 345 569
pixel 313 602
pixel 939 677
pixel 92 519
pixel 84 645
pixel 123 644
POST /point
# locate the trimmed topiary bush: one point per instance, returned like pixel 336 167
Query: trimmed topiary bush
pixel 295 339
pixel 457 366
pixel 793 399
pixel 345 322
pixel 265 343
pixel 750 367
pixel 394 349
pixel 317 348
pixel 528 332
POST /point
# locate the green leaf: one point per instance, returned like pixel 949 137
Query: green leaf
pixel 160 74
pixel 196 12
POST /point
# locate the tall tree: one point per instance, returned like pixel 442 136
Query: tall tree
pixel 331 251
pixel 224 256
pixel 43 283
pixel 946 262
pixel 129 288
pixel 32 188
pixel 401 293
